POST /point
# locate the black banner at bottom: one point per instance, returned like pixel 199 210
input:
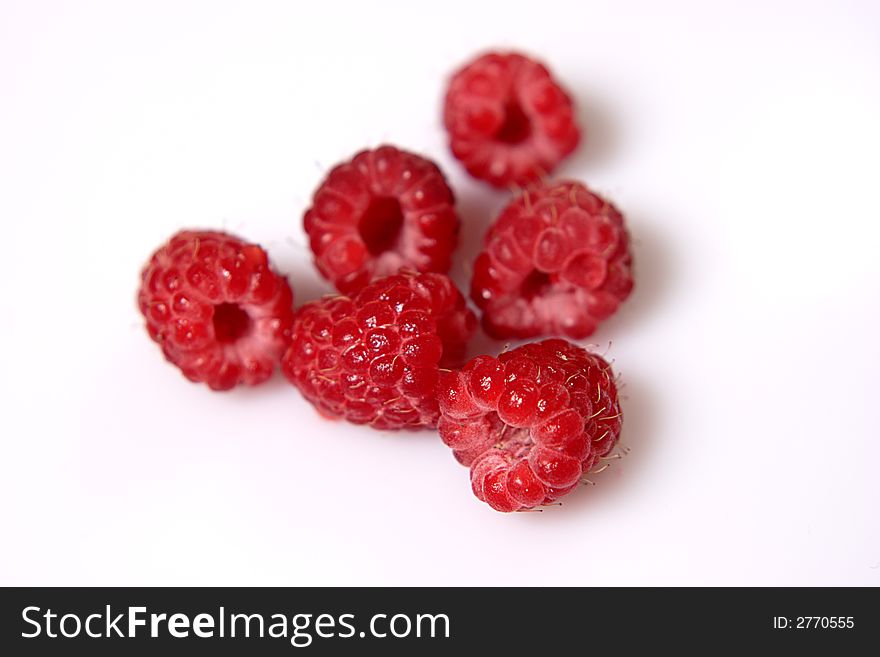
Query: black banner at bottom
pixel 276 621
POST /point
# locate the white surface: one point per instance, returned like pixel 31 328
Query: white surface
pixel 741 140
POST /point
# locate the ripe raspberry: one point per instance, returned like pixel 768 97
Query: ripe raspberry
pixel 384 211
pixel 216 308
pixel 373 359
pixel 556 261
pixel 531 422
pixel 509 121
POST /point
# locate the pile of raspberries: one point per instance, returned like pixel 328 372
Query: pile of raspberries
pixel 389 350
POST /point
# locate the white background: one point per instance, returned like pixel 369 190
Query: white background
pixel 742 141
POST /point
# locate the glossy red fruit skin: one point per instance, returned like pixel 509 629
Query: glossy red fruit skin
pixel 216 308
pixel 383 211
pixel 556 262
pixel 375 358
pixel 531 422
pixel 509 121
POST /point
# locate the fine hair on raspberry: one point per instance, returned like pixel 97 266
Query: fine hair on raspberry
pixel 531 422
pixel 374 358
pixel 383 211
pixel 509 121
pixel 556 262
pixel 216 308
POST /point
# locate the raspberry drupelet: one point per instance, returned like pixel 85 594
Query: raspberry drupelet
pixel 531 422
pixel 509 121
pixel 214 305
pixel 384 211
pixel 374 358
pixel 556 262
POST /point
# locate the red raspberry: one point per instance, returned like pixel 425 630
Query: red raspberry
pixel 384 211
pixel 531 422
pixel 216 308
pixel 509 121
pixel 556 261
pixel 373 359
